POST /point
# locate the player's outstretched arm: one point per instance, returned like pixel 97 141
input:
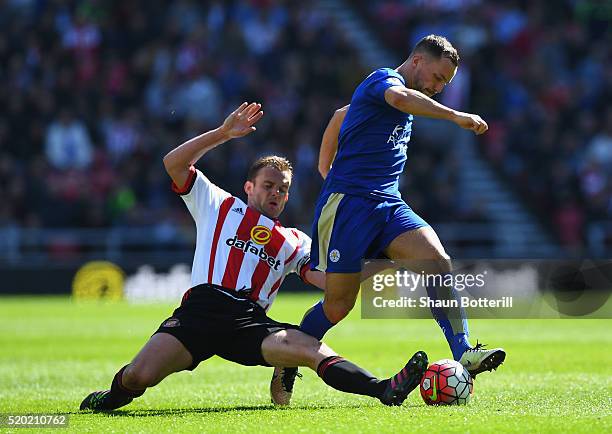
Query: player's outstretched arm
pixel 238 124
pixel 417 103
pixel 329 142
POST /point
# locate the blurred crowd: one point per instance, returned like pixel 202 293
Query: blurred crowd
pixel 540 73
pixel 96 92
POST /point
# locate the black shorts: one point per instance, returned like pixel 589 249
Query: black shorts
pixel 215 321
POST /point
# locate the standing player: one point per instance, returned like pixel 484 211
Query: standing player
pixel 360 213
pixel 242 255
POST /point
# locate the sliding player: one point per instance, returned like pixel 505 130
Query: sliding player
pixel 242 255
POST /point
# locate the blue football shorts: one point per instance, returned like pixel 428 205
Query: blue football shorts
pixel 348 229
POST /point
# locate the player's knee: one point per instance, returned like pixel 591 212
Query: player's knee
pixel 139 377
pixel 283 339
pixel 308 348
pixel 444 261
pixel 294 345
pixel 295 340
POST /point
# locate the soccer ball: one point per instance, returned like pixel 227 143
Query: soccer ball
pixel 446 382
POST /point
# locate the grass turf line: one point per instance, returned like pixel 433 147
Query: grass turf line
pixel 557 377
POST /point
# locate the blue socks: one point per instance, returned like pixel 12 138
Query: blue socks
pixel 452 321
pixel 315 323
pixel 458 344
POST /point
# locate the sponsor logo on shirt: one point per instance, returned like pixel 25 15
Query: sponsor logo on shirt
pixel 261 235
pixel 249 247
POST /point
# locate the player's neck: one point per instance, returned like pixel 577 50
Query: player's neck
pixel 403 71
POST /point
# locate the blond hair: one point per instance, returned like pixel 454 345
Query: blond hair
pixel 279 163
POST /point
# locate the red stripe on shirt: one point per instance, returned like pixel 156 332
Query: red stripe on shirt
pixel 236 256
pixel 303 271
pixel 186 188
pixel 263 268
pixel 185 296
pixel 223 211
pixel 279 281
pixel 290 258
pixel 275 286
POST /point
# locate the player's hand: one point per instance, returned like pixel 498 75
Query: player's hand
pixel 241 121
pixel 471 122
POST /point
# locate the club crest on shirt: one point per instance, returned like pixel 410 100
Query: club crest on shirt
pixel 171 322
pixel 400 137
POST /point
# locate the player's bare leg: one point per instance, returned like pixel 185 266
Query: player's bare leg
pixel 295 348
pixel 340 296
pixel 161 356
pixel 421 243
pixel 425 253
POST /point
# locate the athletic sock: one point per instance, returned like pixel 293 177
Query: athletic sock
pixel 345 376
pixel 119 394
pixel 315 322
pixel 459 343
pixel 452 320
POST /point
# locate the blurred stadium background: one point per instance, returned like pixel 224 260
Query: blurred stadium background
pixel 96 92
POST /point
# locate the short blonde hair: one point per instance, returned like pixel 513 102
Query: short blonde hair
pixel 279 163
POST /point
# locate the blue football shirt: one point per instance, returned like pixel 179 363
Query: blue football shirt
pixel 372 143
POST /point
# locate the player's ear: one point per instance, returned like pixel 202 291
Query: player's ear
pixel 421 58
pixel 248 187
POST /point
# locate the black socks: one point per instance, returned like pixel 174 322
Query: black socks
pixel 119 395
pixel 348 377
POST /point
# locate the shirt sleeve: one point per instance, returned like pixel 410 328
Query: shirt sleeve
pixel 301 262
pixel 380 83
pixel 201 196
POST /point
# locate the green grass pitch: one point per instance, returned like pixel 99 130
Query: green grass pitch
pixel 557 376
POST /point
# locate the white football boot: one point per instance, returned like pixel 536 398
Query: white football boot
pixel 479 359
pixel 281 386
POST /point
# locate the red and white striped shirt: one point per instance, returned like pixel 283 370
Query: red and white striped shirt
pixel 237 247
